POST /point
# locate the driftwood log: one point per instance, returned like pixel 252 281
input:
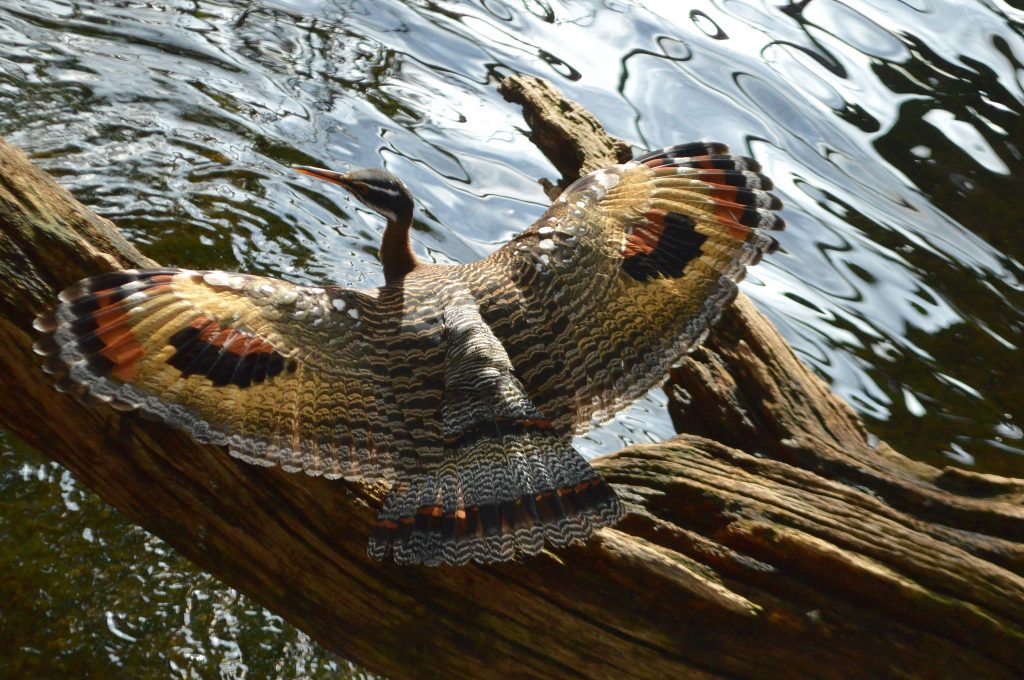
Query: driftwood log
pixel 775 540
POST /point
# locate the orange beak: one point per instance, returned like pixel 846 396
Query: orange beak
pixel 331 176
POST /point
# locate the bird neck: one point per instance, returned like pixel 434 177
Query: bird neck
pixel 396 254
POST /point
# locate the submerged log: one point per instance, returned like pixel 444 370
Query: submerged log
pixel 775 540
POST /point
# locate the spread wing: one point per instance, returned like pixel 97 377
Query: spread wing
pixel 282 374
pixel 624 274
pixel 405 382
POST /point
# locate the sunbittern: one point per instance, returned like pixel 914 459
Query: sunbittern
pixel 462 384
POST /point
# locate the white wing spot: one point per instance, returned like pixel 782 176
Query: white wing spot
pixel 132 285
pixel 135 298
pixel 217 279
pixel 285 296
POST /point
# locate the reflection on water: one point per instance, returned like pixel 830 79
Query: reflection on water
pixel 892 129
pixel 87 594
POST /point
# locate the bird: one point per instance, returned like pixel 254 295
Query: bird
pixel 461 385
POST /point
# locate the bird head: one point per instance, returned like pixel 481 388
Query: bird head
pixel 378 190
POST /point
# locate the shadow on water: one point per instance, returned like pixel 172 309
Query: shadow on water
pixel 891 127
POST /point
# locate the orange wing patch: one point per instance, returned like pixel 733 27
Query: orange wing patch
pixel 661 246
pixel 700 192
pixel 104 327
pixel 104 330
pixel 225 355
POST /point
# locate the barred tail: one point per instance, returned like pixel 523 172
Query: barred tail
pixel 494 498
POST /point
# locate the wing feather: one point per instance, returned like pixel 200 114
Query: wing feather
pixel 624 274
pixel 281 374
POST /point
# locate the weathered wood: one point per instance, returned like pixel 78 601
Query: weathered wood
pixel 569 135
pixel 775 541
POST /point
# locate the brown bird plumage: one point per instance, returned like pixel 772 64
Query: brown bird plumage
pixel 463 385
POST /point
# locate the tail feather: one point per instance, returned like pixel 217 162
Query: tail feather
pixel 494 500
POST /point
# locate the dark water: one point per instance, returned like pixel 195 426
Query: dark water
pixel 893 130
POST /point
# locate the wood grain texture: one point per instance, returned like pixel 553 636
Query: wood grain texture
pixel 569 135
pixel 774 541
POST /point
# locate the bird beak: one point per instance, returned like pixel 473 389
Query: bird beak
pixel 331 176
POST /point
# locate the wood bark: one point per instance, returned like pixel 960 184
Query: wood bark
pixel 775 540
